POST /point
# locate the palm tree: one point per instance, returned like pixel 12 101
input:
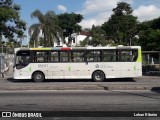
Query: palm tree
pixel 48 24
pixel 22 38
pixel 10 46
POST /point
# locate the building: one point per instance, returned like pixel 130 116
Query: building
pixel 78 37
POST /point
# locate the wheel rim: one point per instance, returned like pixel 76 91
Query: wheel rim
pixel 98 76
pixel 38 77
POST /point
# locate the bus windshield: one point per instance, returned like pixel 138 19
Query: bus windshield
pixel 22 59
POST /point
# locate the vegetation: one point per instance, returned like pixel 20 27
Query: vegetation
pixel 121 28
pixel 10 23
pixel 69 24
pixel 48 24
pixel 149 35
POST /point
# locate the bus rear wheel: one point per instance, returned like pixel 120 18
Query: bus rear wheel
pixel 38 77
pixel 98 76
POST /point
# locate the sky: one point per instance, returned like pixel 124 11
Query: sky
pixel 94 11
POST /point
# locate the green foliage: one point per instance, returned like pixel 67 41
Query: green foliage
pixel 69 23
pixel 149 34
pixel 150 40
pixel 155 23
pixel 84 42
pixel 10 22
pixel 143 26
pixel 98 36
pixel 48 24
pixel 122 9
pixel 121 27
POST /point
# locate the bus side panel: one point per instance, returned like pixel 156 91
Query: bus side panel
pixel 112 70
pixel 131 69
pixel 23 73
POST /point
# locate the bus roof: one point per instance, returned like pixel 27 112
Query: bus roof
pixel 78 48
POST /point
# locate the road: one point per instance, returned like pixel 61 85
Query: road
pixel 139 94
pixel 79 100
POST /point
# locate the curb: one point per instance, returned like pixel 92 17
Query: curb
pixel 148 77
pixel 82 87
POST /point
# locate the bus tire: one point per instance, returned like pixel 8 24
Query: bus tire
pixel 98 76
pixel 38 77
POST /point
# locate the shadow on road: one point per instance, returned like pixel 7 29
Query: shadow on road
pixel 156 89
pixel 138 94
pixel 18 80
pixel 72 80
pixel 120 80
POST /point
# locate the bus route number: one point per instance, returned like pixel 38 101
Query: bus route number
pixel 42 65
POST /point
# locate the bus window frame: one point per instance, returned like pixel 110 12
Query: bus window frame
pixel 22 65
pixel 48 57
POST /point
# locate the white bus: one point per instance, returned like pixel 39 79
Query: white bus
pixel 97 63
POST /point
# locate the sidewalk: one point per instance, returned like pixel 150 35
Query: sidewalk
pixel 82 87
pixel 141 83
pixel 148 77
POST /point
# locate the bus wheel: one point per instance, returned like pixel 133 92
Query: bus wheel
pixel 38 77
pixel 98 76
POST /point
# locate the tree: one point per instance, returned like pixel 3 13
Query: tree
pixel 10 22
pixel 122 8
pixel 69 23
pixel 21 38
pixel 148 32
pixel 121 27
pixel 98 36
pixel 155 23
pixel 10 46
pixel 84 42
pixel 149 40
pixel 48 24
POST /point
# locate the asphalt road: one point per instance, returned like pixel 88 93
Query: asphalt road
pixel 95 101
pixel 79 100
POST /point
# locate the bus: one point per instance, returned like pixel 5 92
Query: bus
pixel 97 63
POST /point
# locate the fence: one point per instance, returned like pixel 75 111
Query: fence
pixel 6 50
pixel 6 64
pixel 151 62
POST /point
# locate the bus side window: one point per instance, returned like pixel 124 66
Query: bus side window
pixel 63 56
pixel 111 59
pixel 77 56
pixel 135 55
pixel 40 56
pixel 54 56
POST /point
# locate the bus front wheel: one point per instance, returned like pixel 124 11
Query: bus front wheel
pixel 38 77
pixel 98 76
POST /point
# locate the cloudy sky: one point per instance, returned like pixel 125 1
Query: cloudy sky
pixel 94 11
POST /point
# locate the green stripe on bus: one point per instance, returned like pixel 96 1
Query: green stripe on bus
pixel 69 68
pixel 40 48
pixel 30 69
pixel 139 55
pixel 134 68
